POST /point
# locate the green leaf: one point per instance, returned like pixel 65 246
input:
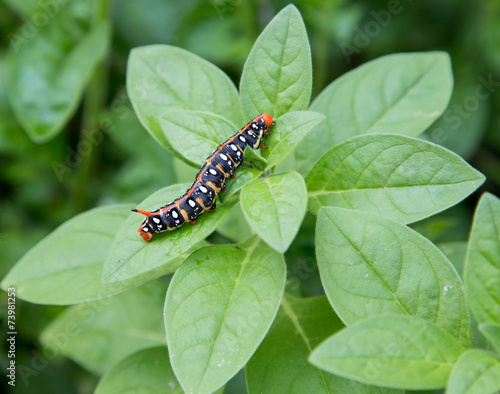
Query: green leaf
pixel 274 207
pixel 455 252
pixel 492 332
pixel 163 78
pixel 254 160
pixel 394 351
pixel 219 306
pixel 476 372
pixel 370 266
pixel 147 372
pixel 47 73
pixel 194 135
pixel 60 270
pixel 402 93
pixel 234 226
pixel 98 334
pixel 290 129
pixel 280 363
pixel 463 131
pixel 402 178
pixel 130 256
pixel 243 176
pixel 277 76
pixel 482 264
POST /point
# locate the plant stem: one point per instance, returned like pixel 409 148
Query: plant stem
pixel 90 135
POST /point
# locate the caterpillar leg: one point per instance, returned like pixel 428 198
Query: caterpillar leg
pixel 193 222
pixel 213 207
pixel 262 146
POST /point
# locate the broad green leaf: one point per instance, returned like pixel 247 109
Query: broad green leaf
pixel 286 134
pixel 254 160
pixel 98 334
pixel 147 372
pixel 277 76
pixel 60 270
pixel 482 264
pixel 458 130
pixel 219 306
pixel 370 266
pixel 476 372
pixel 130 256
pixel 194 135
pixel 234 226
pixel 280 363
pixel 402 178
pixel 393 351
pixel 402 93
pixel 274 207
pixel 455 252
pixel 163 78
pixel 48 72
pixel 243 176
pixel 492 332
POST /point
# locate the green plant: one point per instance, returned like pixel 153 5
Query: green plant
pixel 353 159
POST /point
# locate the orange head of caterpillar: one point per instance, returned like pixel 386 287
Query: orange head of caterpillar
pixel 145 229
pixel 268 119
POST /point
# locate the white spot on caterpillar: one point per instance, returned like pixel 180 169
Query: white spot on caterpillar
pixel 191 203
pixel 145 229
pixel 254 126
pixel 243 139
pixel 238 154
pixel 156 220
pixel 175 215
pixel 159 226
pixel 233 147
pixel 203 189
pixel 212 171
pixel 223 156
pixel 249 132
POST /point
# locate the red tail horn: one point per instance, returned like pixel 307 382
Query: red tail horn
pixel 145 213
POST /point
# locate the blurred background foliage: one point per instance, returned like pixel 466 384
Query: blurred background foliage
pixel 47 176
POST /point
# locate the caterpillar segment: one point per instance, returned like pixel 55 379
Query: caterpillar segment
pixel 210 180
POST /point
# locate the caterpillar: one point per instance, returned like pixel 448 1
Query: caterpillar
pixel 210 180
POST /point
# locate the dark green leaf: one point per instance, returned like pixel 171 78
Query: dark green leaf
pixel 280 363
pixel 47 73
pixel 492 332
pixel 98 334
pixel 147 372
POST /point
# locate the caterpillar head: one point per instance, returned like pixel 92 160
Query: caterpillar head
pixel 268 119
pixel 146 228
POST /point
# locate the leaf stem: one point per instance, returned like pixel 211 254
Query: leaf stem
pixel 90 134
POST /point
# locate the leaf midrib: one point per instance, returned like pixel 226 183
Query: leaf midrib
pixel 236 281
